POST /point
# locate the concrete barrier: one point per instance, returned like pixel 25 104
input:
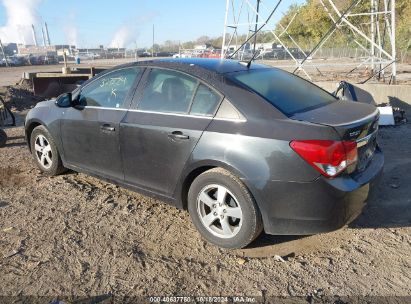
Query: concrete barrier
pixel 380 92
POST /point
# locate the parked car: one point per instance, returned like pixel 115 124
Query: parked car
pixel 16 60
pixel 241 55
pixel 211 54
pixel 141 53
pixel 54 59
pixel 182 55
pixel 243 148
pixel 32 59
pixel 282 54
pixel 164 54
pixel 42 59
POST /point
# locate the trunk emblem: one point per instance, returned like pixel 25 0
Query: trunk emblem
pixel 355 133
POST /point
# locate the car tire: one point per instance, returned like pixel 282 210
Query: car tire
pixel 223 209
pixel 45 152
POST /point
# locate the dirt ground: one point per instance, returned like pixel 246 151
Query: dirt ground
pixel 76 235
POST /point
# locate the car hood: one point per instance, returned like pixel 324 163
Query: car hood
pixel 45 103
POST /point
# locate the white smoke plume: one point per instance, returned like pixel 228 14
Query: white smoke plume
pixel 71 35
pixel 20 15
pixel 70 30
pixel 122 37
pixel 127 34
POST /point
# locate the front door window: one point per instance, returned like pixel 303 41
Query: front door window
pixel 110 90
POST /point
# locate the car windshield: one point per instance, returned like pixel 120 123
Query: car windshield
pixel 287 92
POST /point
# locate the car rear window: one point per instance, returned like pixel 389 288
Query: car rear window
pixel 287 92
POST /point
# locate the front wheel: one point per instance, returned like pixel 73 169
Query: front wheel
pixel 223 210
pixel 45 152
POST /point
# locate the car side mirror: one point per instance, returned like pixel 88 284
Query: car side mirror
pixel 65 100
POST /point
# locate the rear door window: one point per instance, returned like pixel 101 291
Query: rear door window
pixel 168 91
pixel 205 101
pixel 287 92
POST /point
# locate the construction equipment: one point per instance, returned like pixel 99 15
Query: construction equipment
pixel 6 119
pixel 52 84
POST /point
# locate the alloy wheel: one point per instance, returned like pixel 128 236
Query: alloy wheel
pixel 219 211
pixel 43 151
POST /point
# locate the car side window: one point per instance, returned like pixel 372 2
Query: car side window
pixel 205 101
pixel 168 91
pixel 111 90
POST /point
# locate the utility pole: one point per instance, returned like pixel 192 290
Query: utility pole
pixel 256 25
pixel 223 52
pixel 393 51
pixel 152 50
pixel 373 10
pixel 2 50
pixel 47 33
pixel 34 35
pixel 44 37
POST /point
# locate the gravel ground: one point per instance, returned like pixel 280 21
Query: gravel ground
pixel 76 235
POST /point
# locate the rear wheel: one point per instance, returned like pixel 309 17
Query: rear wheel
pixel 45 152
pixel 223 210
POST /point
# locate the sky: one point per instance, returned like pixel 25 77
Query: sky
pixel 118 23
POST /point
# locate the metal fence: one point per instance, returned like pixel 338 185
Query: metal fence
pixel 403 56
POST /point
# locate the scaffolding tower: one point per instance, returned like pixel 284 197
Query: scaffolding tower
pixel 371 27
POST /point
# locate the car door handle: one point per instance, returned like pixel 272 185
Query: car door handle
pixel 107 128
pixel 178 135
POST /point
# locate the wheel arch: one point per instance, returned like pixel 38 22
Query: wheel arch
pixel 191 173
pixel 29 130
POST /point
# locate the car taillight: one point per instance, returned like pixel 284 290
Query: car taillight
pixel 327 156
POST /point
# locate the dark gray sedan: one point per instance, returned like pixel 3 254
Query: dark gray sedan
pixel 243 148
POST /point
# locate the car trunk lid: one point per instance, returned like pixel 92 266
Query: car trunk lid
pixel 353 121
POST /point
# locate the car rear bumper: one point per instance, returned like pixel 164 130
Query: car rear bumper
pixel 294 208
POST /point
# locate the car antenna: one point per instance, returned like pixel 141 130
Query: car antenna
pixel 248 63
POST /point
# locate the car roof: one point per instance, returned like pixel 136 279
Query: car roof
pixel 220 66
pixel 203 68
